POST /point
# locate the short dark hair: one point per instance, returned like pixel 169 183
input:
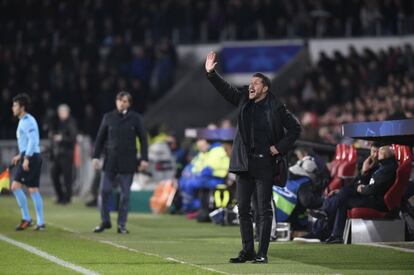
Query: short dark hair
pixel 121 94
pixel 265 80
pixel 23 100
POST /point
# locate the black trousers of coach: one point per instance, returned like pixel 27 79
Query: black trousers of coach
pixel 108 181
pixel 258 179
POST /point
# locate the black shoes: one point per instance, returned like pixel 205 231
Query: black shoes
pixel 107 225
pixel 100 228
pixel 243 257
pixel 23 225
pixel 41 227
pixel 122 230
pixel 334 240
pixel 260 260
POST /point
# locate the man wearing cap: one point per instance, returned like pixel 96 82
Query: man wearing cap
pixel 266 131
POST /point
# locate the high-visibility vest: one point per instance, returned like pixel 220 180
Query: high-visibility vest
pixel 198 162
pixel 218 160
pixel 221 196
pixel 285 198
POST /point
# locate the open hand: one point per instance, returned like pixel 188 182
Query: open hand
pixel 273 150
pixel 15 159
pixel 368 164
pixel 25 164
pixel 210 62
pixel 96 163
pixel 143 166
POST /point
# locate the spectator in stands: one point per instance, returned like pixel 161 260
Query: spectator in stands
pixel 304 151
pixel 65 43
pixel 207 169
pixel 368 190
pixel 374 86
pixel 288 204
pixel 63 139
pixel 179 153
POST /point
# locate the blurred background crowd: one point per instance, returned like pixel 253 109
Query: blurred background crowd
pixel 367 86
pixel 83 53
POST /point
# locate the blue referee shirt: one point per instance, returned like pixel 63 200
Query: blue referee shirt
pixel 28 136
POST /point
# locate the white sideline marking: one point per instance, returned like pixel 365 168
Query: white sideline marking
pixel 64 228
pixel 137 251
pixel 388 246
pixel 47 256
pixel 159 256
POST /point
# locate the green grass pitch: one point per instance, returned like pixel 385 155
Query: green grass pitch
pixel 166 244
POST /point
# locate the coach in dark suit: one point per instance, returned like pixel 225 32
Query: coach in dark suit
pixel 266 131
pixel 119 130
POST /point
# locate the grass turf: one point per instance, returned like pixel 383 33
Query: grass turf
pixel 155 238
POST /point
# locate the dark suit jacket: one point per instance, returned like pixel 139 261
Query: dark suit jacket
pixel 120 132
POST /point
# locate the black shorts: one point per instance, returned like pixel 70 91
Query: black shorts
pixel 29 178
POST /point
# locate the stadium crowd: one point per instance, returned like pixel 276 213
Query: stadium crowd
pixel 366 86
pixel 82 53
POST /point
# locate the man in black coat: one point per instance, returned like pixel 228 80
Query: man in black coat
pixel 368 190
pixel 63 140
pixel 119 130
pixel 266 131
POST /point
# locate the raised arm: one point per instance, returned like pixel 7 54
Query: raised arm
pixel 228 91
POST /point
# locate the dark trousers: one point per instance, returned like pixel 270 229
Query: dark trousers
pixel 63 167
pixel 336 207
pixel 246 186
pixel 108 181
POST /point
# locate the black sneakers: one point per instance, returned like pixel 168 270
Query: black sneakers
pixel 260 260
pixel 243 257
pixel 122 230
pixel 23 225
pixel 334 240
pixel 100 228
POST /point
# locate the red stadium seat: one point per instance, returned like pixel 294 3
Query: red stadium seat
pixel 344 166
pixel 333 165
pixel 348 166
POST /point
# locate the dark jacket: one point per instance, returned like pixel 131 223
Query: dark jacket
pixel 68 130
pixel 285 127
pixel 378 183
pixel 120 132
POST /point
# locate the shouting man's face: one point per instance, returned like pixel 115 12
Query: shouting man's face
pixel 257 89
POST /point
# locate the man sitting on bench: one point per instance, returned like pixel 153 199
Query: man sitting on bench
pixel 368 190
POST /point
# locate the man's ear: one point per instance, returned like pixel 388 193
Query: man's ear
pixel 265 89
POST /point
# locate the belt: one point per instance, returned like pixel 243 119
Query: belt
pixel 259 156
